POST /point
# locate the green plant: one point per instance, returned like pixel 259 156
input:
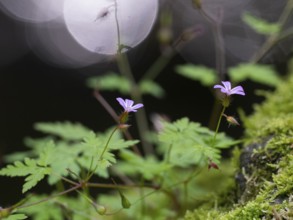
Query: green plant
pixel 163 173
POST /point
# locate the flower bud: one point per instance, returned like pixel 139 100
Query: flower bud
pixel 101 210
pixel 123 126
pixel 123 117
pixel 212 165
pixel 231 120
pixel 124 201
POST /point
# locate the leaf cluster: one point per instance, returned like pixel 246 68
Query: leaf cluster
pixel 73 150
pixel 115 82
pixel 188 143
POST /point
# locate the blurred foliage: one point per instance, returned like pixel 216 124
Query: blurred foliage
pixel 259 73
pixel 206 76
pixel 71 150
pixel 259 25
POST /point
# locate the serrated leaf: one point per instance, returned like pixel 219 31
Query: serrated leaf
pixel 66 130
pixel 181 130
pixel 206 76
pixel 16 217
pixel 110 82
pixel 186 143
pixel 122 144
pixel 94 150
pixel 47 154
pixel 259 73
pixel 19 168
pixel 148 167
pixel 28 168
pixel 151 88
pixel 65 158
pixel 34 178
pixel 259 25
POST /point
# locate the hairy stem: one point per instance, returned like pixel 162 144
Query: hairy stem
pixel 218 125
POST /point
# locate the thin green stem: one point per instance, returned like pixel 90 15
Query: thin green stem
pixel 218 125
pixel 108 141
pixel 113 114
pixel 141 192
pixel 102 154
pixel 125 70
pixel 117 26
pixel 185 188
pixel 135 94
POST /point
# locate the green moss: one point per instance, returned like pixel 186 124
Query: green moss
pixel 266 163
pixel 275 115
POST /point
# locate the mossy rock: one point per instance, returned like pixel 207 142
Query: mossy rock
pixel 265 176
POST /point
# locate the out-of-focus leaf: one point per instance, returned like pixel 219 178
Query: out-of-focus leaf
pixel 66 130
pixel 206 76
pixel 110 82
pixel 259 73
pixel 259 25
pixel 152 88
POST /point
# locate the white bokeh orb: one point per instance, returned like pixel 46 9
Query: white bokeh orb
pixel 93 23
pixel 34 11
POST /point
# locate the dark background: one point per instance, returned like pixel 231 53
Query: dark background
pixel 34 91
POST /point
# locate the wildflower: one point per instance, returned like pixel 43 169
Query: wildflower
pixel 226 89
pixel 128 106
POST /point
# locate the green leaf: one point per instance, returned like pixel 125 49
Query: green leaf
pixel 29 168
pixel 181 130
pixel 16 217
pixel 65 157
pixel 148 167
pixel 93 147
pixel 66 130
pixel 152 88
pixel 49 210
pixel 206 76
pixel 47 155
pixel 187 143
pixel 259 25
pixel 259 73
pixel 110 82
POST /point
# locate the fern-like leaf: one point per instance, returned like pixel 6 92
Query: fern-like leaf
pixel 185 143
pixel 29 168
pixel 148 167
pixel 66 130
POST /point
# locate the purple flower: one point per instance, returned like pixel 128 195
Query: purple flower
pixel 226 89
pixel 128 105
